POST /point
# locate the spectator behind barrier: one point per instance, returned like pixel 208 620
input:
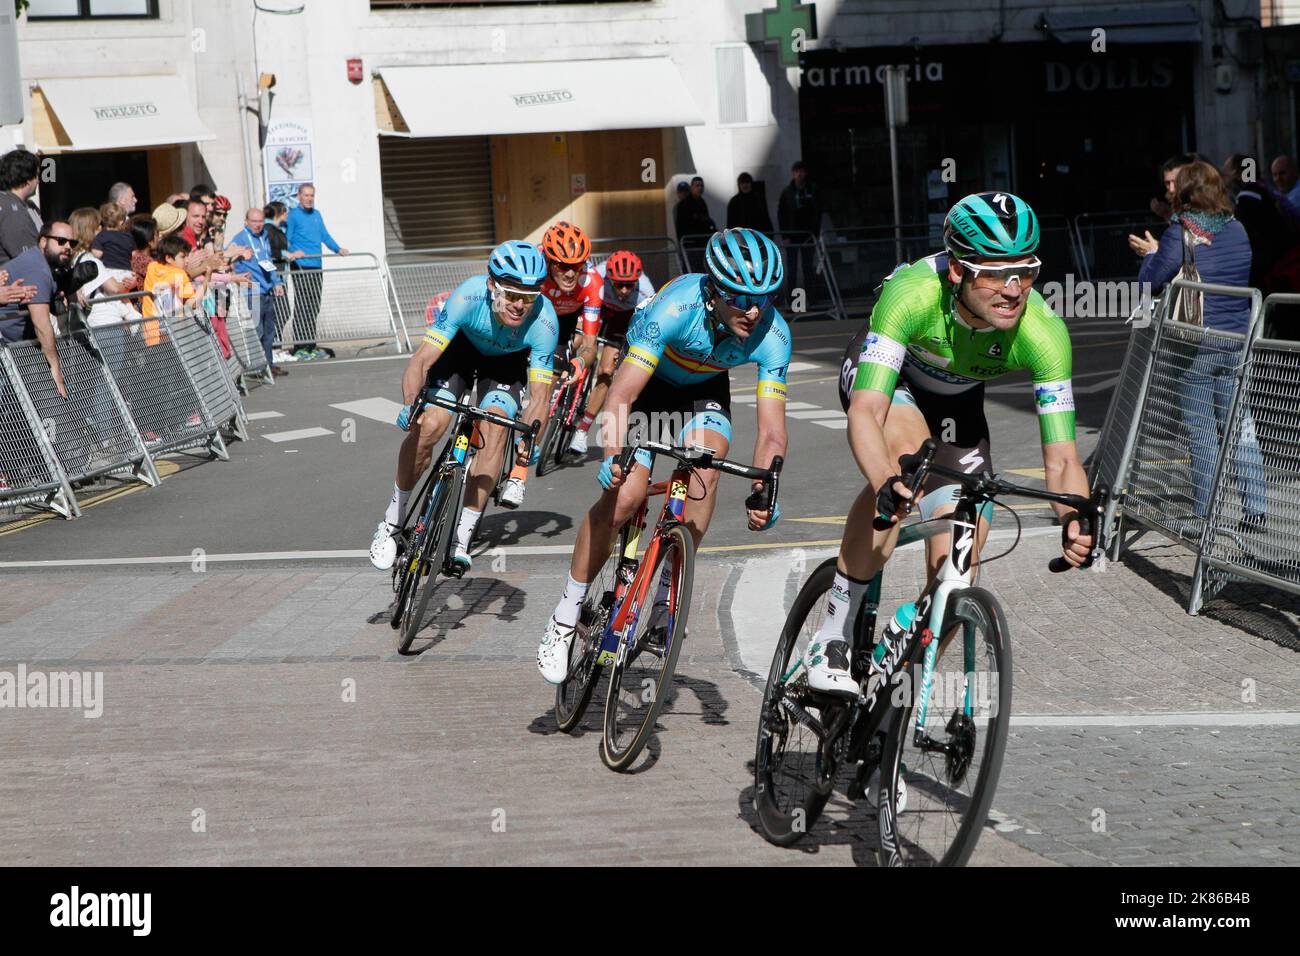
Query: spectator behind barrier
pixel 93 277
pixel 168 284
pixel 1257 210
pixel 36 267
pixel 748 208
pixel 20 220
pixel 113 245
pixel 1220 254
pixel 123 196
pixel 306 233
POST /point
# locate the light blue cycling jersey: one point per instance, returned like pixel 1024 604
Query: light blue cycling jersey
pixel 675 325
pixel 469 312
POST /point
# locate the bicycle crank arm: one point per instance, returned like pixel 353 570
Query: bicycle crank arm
pixel 805 718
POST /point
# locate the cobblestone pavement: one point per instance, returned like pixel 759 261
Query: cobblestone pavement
pixel 287 730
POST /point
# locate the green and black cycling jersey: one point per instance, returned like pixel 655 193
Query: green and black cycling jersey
pixel 916 334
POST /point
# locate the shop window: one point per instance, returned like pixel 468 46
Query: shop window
pixel 92 10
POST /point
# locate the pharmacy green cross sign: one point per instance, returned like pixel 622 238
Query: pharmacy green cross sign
pixel 790 24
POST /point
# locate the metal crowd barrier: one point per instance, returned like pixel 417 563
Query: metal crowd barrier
pixel 810 289
pixel 196 342
pixel 30 473
pixel 861 257
pixel 418 275
pixel 350 299
pixel 1109 464
pixel 1104 253
pixel 241 326
pixel 1261 447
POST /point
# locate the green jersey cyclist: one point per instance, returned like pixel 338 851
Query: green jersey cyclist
pixel 942 327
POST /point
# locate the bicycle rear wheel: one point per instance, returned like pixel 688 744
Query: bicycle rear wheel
pixel 790 781
pixel 433 556
pixel 574 695
pixel 935 796
pixel 642 677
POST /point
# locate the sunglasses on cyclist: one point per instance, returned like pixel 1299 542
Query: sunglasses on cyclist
pixel 1002 276
pixel 526 296
pixel 744 302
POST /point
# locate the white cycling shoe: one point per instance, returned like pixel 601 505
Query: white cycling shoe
pixel 512 493
pixel 828 668
pixel 383 547
pixel 578 444
pixel 460 559
pixel 553 652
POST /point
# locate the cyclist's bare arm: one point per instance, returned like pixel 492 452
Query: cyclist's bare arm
pixel 417 370
pixel 628 382
pixel 772 441
pixel 1064 474
pixel 867 411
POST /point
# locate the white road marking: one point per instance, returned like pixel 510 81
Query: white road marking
pixel 258 416
pixel 818 413
pixel 1242 719
pixel 744 399
pixel 839 424
pixel 799 406
pixel 378 409
pixel 295 435
pixel 819 351
pixel 802 366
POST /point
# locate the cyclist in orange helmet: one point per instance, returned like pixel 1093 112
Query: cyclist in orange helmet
pixel 574 291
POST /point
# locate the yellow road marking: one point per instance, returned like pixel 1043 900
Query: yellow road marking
pixel 775 544
pixel 1029 473
pixel 165 470
pixel 840 519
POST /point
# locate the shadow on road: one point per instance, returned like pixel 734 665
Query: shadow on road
pixel 1255 609
pixel 500 529
pixel 453 603
pixel 842 823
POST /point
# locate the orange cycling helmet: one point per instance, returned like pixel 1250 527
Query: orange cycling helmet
pixel 566 244
pixel 624 266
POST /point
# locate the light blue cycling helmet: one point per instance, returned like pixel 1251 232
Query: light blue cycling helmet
pixel 744 261
pixel 518 263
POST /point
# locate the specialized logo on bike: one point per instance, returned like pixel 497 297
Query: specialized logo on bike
pixel 963 546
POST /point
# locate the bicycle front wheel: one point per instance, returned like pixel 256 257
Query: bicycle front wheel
pixel 642 677
pixel 432 557
pixel 549 457
pixel 791 779
pixel 935 793
pixel 574 694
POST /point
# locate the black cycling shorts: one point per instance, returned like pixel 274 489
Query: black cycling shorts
pixel 664 410
pixel 614 325
pixel 461 366
pixel 958 420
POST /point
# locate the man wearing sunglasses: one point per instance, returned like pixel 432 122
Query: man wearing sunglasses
pixel 942 327
pixel 624 289
pixel 34 270
pixel 497 330
pixel 574 291
pixel 674 379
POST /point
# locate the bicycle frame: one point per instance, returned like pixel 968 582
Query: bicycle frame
pixel 629 597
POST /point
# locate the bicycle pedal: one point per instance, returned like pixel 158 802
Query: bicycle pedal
pixel 453 570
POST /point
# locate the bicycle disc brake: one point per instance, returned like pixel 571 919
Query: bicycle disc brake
pixel 961 747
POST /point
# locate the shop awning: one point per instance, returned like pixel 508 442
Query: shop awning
pixel 1141 23
pixel 503 98
pixel 115 112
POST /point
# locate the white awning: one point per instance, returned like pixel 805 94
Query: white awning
pixel 116 112
pixel 567 96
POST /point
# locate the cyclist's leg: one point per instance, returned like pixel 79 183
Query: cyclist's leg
pixel 707 411
pixel 604 375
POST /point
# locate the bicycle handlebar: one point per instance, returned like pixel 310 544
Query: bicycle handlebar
pixel 1087 511
pixel 430 397
pixel 763 499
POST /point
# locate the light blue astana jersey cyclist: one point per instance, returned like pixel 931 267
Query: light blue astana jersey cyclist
pixel 469 312
pixel 675 326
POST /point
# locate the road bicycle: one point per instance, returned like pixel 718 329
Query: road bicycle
pixel 927 732
pixel 568 404
pixel 633 619
pixel 427 534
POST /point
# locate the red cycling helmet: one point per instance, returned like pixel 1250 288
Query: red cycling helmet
pixel 624 266
pixel 221 202
pixel 566 244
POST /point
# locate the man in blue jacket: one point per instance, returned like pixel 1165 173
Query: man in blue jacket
pixel 306 233
pixel 266 279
